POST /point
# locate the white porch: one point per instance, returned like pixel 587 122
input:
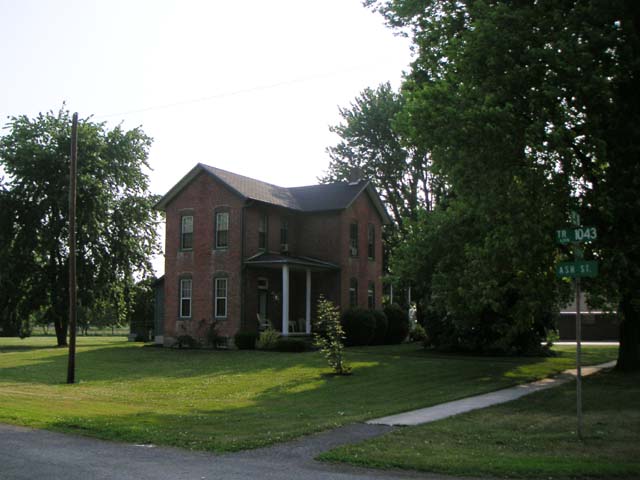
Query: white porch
pixel 299 321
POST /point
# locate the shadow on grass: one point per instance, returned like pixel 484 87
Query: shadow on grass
pixel 121 361
pixel 287 394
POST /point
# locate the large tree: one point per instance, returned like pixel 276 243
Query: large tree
pixel 370 142
pixel 115 216
pixel 539 97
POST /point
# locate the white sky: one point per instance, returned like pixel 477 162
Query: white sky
pixel 248 86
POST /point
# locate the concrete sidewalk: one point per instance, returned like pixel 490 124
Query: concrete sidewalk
pixel 444 410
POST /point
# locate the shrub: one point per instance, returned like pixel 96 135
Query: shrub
pixel 553 336
pixel 290 345
pixel 213 336
pixel 245 340
pixel 418 334
pixel 268 339
pixel 187 341
pixel 398 328
pixel 382 324
pixel 359 326
pixel 328 336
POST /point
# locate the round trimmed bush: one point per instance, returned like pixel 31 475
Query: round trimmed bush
pixel 398 328
pixel 359 326
pixel 245 340
pixel 382 324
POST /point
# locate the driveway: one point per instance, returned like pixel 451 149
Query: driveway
pixel 27 454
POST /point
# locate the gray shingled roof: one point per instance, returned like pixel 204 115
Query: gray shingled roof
pixel 255 189
pixel 312 198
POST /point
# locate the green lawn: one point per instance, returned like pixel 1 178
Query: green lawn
pixel 231 400
pixel 531 437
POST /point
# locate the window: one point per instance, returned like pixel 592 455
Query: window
pixel 220 297
pixel 371 296
pixel 284 235
pixel 222 229
pixel 263 227
pixel 371 242
pixel 353 240
pixel 186 232
pixel 353 292
pixel 185 297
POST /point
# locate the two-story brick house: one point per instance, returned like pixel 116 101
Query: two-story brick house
pixel 247 253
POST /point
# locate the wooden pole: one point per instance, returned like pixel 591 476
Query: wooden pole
pixel 71 370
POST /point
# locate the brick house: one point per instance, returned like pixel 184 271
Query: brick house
pixel 248 254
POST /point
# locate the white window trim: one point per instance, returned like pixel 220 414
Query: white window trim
pixel 183 231
pixel 190 297
pixel 371 295
pixel 218 229
pixel 225 297
pixel 354 242
pixel 371 241
pixel 353 292
pixel 263 230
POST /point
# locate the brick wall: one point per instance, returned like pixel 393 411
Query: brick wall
pixel 200 199
pixel 361 267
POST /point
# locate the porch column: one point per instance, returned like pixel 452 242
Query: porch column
pixel 285 300
pixel 308 298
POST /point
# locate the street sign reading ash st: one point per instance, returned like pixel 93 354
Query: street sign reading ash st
pixel 579 268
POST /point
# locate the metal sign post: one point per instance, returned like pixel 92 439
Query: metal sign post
pixel 578 360
pixel 577 269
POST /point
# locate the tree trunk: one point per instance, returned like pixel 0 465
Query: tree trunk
pixel 61 333
pixel 60 325
pixel 629 351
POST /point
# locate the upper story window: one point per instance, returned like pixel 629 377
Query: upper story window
pixel 186 287
pixel 353 240
pixel 284 235
pixel 371 242
pixel 222 230
pixel 220 300
pixel 186 232
pixel 263 228
pixel 371 296
pixel 353 292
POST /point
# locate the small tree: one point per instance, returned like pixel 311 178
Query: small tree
pixel 329 336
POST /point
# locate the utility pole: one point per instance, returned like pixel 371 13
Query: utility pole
pixel 71 370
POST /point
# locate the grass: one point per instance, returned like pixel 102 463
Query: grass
pixel 531 437
pixel 232 400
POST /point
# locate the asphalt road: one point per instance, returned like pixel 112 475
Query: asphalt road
pixel 27 454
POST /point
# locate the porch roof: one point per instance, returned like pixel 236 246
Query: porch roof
pixel 274 260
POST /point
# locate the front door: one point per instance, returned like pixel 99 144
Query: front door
pixel 263 304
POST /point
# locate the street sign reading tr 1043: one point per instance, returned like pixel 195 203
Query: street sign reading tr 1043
pixel 577 234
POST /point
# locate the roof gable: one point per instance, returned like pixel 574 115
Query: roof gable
pixel 312 198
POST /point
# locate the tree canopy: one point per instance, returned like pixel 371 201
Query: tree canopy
pixel 115 216
pixel 528 110
pixel 371 142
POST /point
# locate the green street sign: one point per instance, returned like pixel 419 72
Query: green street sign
pixel 578 234
pixel 581 268
pixel 575 218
